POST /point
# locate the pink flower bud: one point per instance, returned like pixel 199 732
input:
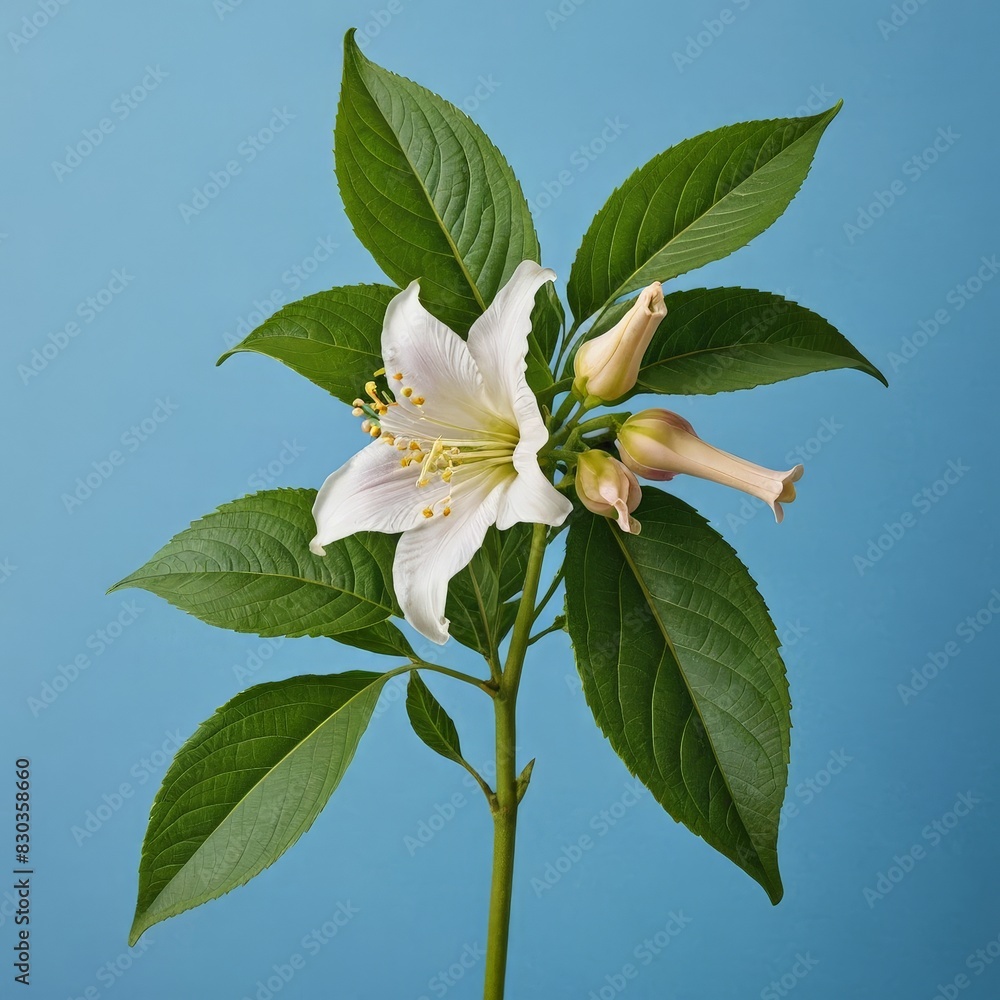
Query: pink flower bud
pixel 658 444
pixel 607 366
pixel 606 487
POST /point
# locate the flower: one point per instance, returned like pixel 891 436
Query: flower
pixel 608 488
pixel 658 444
pixel 455 451
pixel 607 366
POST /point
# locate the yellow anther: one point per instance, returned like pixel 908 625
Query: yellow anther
pixel 446 475
pixel 398 376
pixel 388 439
pixel 446 512
pixel 358 412
pixel 423 482
pixel 381 371
pixel 375 432
pixel 407 391
pixel 366 425
pixel 414 446
pixel 405 461
pixel 428 512
pixel 358 403
pixel 418 400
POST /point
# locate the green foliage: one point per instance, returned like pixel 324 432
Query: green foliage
pixel 246 786
pixel 333 338
pixel 480 604
pixel 430 721
pixel 695 203
pixel 427 192
pixel 680 666
pixel 721 339
pixel 247 567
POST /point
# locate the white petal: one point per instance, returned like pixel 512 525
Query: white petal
pixel 434 362
pixel 431 553
pixel 532 498
pixel 498 340
pixel 371 492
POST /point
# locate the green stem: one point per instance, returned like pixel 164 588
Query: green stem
pixel 507 794
pixel 478 682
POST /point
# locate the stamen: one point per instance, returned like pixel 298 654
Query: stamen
pixel 407 391
pixel 428 512
pixel 398 376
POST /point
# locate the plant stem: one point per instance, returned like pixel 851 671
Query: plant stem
pixel 505 809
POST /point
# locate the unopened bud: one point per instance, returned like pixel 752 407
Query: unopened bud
pixel 607 366
pixel 658 444
pixel 608 488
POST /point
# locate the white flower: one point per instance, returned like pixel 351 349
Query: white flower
pixel 455 452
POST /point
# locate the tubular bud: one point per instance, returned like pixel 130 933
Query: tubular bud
pixel 658 444
pixel 607 366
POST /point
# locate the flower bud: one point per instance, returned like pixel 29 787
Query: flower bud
pixel 606 487
pixel 607 366
pixel 658 444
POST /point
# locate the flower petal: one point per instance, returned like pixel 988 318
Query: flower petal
pixel 431 553
pixel 498 340
pixel 370 492
pixel 434 362
pixel 531 497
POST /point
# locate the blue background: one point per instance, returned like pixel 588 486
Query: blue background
pixel 854 632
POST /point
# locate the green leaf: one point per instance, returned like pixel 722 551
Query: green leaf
pixel 721 339
pixel 334 338
pixel 247 567
pixel 427 192
pixel 547 320
pixel 430 721
pixel 694 203
pixel 480 605
pixel 246 786
pixel 680 666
